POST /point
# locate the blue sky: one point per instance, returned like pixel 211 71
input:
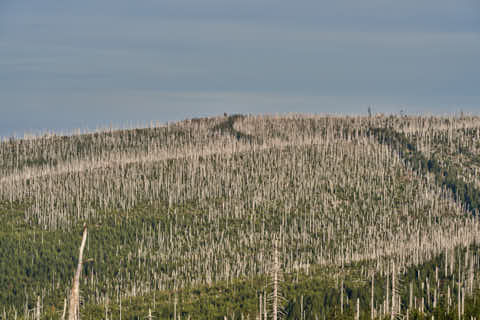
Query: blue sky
pixel 82 64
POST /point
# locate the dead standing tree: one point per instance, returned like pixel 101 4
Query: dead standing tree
pixel 75 293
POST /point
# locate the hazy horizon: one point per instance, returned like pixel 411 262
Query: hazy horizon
pixel 68 65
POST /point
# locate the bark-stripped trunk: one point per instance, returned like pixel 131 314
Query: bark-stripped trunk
pixel 64 309
pixel 75 293
pixel 372 307
pixel 275 286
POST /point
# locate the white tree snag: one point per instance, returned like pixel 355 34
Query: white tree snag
pixel 75 293
pixel 275 284
pixel 64 309
pixel 372 308
pixel 357 317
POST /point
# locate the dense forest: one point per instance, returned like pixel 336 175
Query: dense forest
pixel 245 217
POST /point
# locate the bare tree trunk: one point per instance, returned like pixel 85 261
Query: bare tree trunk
pixel 357 317
pixel 341 298
pixel 75 293
pixel 393 310
pixel 372 306
pixel 302 313
pixel 175 307
pixel 448 299
pixel 64 309
pixel 387 307
pixel 37 310
pixel 459 301
pixel 265 307
pixel 260 307
pixel 275 285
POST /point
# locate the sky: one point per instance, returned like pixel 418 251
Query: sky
pixel 87 64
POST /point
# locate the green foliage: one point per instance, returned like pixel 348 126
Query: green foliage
pixel 227 127
pixel 445 176
pixel 330 189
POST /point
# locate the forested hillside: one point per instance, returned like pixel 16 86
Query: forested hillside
pixel 246 217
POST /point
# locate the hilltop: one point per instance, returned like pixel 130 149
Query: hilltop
pixel 194 219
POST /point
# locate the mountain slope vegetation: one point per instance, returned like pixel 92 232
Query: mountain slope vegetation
pixel 361 217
